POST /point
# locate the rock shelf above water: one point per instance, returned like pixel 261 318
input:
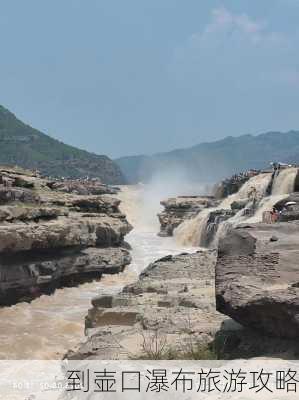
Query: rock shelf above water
pixel 51 237
pixel 174 299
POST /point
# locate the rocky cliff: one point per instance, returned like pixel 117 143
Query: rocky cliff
pixel 51 236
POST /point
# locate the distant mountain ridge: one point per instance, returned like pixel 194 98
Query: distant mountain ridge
pixel 210 162
pixel 27 147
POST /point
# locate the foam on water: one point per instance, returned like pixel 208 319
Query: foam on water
pixel 192 232
pixel 284 182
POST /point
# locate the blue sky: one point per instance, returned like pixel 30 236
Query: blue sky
pixel 123 77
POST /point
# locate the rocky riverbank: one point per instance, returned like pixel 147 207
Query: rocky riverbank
pixel 173 310
pixel 51 236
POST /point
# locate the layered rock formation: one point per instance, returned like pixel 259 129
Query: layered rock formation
pixel 49 238
pixel 172 305
pixel 257 277
pixel 178 209
pixel 82 186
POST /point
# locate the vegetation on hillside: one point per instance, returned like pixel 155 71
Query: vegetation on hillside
pixel 23 145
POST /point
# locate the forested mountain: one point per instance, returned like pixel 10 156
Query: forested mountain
pixel 23 145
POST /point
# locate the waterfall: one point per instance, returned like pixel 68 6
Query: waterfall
pixel 252 196
pixel 284 181
pixel 194 231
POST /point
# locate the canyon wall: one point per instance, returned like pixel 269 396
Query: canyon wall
pixel 52 236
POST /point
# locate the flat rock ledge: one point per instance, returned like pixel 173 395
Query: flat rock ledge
pixel 257 278
pixel 51 237
pixel 172 305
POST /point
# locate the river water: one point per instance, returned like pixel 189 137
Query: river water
pixel 50 325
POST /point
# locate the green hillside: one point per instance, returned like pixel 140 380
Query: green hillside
pixel 22 145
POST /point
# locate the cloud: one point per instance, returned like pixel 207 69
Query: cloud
pixel 222 19
pixel 236 51
pixel 228 25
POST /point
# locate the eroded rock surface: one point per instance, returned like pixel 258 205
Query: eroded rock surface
pixel 83 186
pixel 171 305
pixel 257 278
pixel 50 238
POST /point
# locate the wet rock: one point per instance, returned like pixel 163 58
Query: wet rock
pixel 179 209
pixel 288 212
pixel 214 220
pixel 273 238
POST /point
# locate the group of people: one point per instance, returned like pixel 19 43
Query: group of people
pixel 277 166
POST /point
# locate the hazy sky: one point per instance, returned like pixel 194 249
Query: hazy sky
pixel 123 77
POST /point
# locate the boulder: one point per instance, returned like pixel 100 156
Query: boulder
pixel 257 278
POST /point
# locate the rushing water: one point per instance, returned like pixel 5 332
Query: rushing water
pixel 285 181
pixel 193 232
pixel 50 325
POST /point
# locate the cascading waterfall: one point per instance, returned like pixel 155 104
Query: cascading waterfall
pixel 252 195
pixel 284 181
pixel 193 231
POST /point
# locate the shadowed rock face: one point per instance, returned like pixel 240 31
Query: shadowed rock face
pixel 49 238
pixel 257 278
pixel 289 213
